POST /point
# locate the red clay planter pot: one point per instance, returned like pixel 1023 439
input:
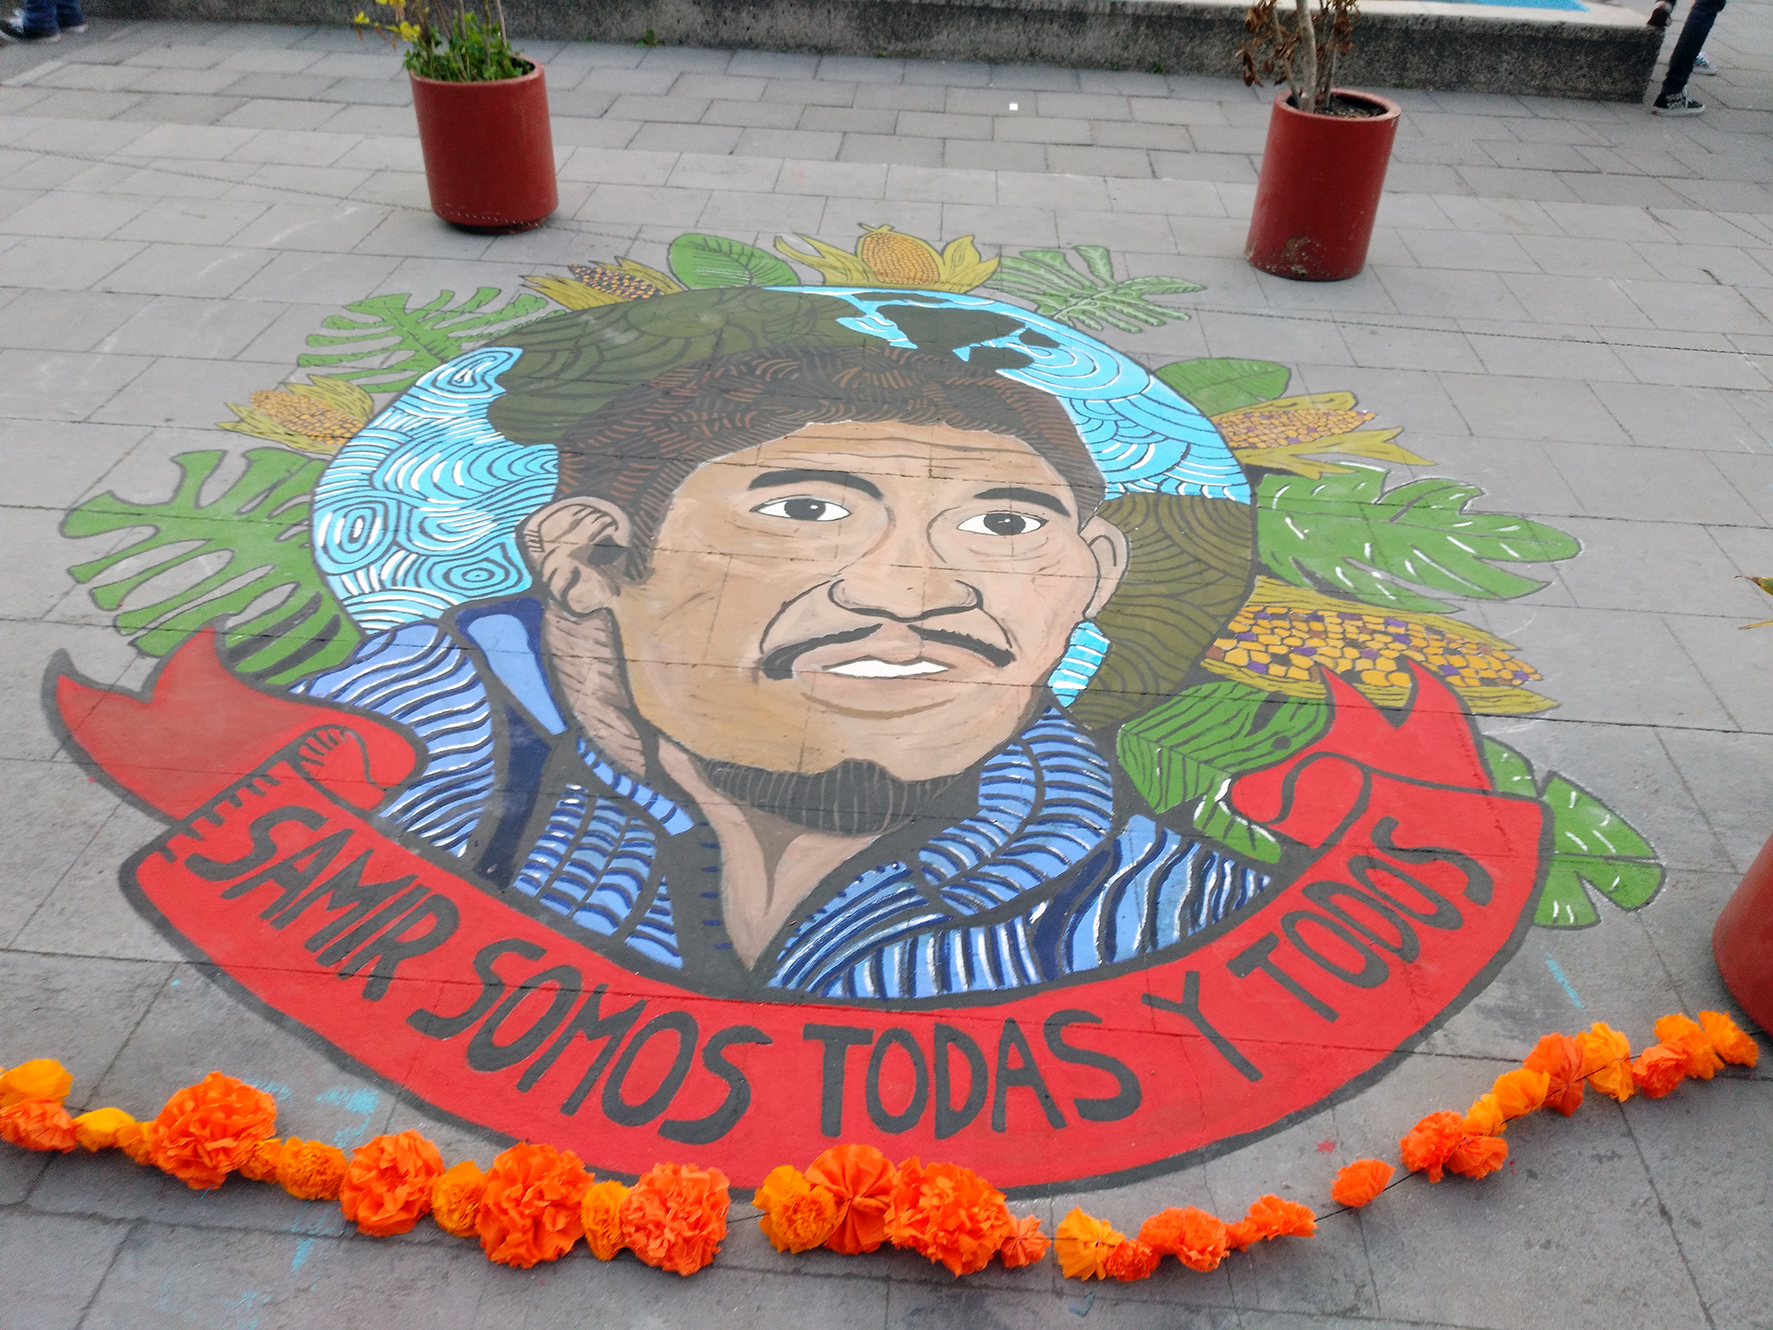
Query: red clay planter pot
pixel 1742 941
pixel 489 151
pixel 1319 189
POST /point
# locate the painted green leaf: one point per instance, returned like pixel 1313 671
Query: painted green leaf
pixel 1592 846
pixel 1219 385
pixel 1349 534
pixel 1563 901
pixel 1091 298
pixel 700 262
pixel 253 544
pixel 1190 748
pixel 1215 819
pixel 1584 825
pixel 393 344
pixel 1511 772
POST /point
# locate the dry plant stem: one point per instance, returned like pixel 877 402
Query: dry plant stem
pixel 1280 44
pixel 1307 58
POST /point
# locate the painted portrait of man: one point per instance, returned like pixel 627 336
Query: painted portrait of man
pixel 805 622
pixel 773 714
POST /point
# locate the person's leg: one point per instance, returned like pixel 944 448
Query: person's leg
pixel 34 23
pixel 1692 39
pixel 68 16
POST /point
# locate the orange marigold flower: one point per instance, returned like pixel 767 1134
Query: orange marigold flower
pixel 1241 1235
pixel 862 1179
pixel 1727 1037
pixel 1025 1244
pixel 37 1124
pixel 950 1214
pixel 1484 1117
pixel 1521 1091
pixel 1658 1069
pixel 208 1130
pixel 260 1164
pixel 455 1200
pixel 136 1139
pixel 797 1216
pixel 97 1129
pixel 1606 1060
pixel 1084 1244
pixel 312 1170
pixel 602 1211
pixel 1359 1183
pixel 388 1184
pixel 532 1208
pixel 1431 1142
pixel 1192 1236
pixel 40 1078
pixel 1478 1156
pixel 1688 1037
pixel 674 1218
pixel 1131 1260
pixel 1560 1058
pixel 1277 1218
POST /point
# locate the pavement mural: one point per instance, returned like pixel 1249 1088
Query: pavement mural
pixel 700 708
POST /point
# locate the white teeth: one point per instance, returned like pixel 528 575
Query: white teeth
pixel 870 668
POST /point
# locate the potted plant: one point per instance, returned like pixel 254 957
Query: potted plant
pixel 1324 164
pixel 482 111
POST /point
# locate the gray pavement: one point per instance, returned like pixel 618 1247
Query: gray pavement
pixel 1569 304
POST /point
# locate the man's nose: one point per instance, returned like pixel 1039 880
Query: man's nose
pixel 904 580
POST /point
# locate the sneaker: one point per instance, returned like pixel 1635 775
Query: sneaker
pixel 1703 66
pixel 14 31
pixel 18 21
pixel 1659 15
pixel 1677 104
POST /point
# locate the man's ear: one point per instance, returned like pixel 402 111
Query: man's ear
pixel 572 546
pixel 1109 545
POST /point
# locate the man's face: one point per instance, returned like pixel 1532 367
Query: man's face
pixel 888 593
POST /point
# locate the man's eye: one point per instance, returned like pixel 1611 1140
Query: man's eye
pixel 1003 524
pixel 803 510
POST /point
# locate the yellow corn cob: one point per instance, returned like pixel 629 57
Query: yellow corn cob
pixel 898 260
pixel 624 285
pixel 1284 633
pixel 304 415
pixel 1256 428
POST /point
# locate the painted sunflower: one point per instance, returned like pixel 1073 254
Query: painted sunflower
pixel 889 258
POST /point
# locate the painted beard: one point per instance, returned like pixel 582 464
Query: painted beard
pixel 851 799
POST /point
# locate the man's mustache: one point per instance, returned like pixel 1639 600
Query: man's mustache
pixel 779 664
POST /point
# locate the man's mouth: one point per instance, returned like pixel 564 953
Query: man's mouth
pixel 869 667
pixel 779 664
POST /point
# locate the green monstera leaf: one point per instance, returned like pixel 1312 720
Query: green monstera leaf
pixel 1190 749
pixel 1349 534
pixel 1219 385
pixel 403 343
pixel 1592 846
pixel 701 262
pixel 246 550
pixel 1091 298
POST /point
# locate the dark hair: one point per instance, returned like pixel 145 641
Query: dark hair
pixel 642 444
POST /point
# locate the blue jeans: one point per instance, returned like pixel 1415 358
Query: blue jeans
pixel 43 16
pixel 1692 40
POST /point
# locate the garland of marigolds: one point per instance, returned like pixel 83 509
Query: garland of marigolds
pixel 536 1202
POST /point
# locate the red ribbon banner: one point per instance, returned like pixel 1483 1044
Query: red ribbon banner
pixel 276 871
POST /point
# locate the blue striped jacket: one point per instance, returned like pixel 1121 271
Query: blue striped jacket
pixel 1043 881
